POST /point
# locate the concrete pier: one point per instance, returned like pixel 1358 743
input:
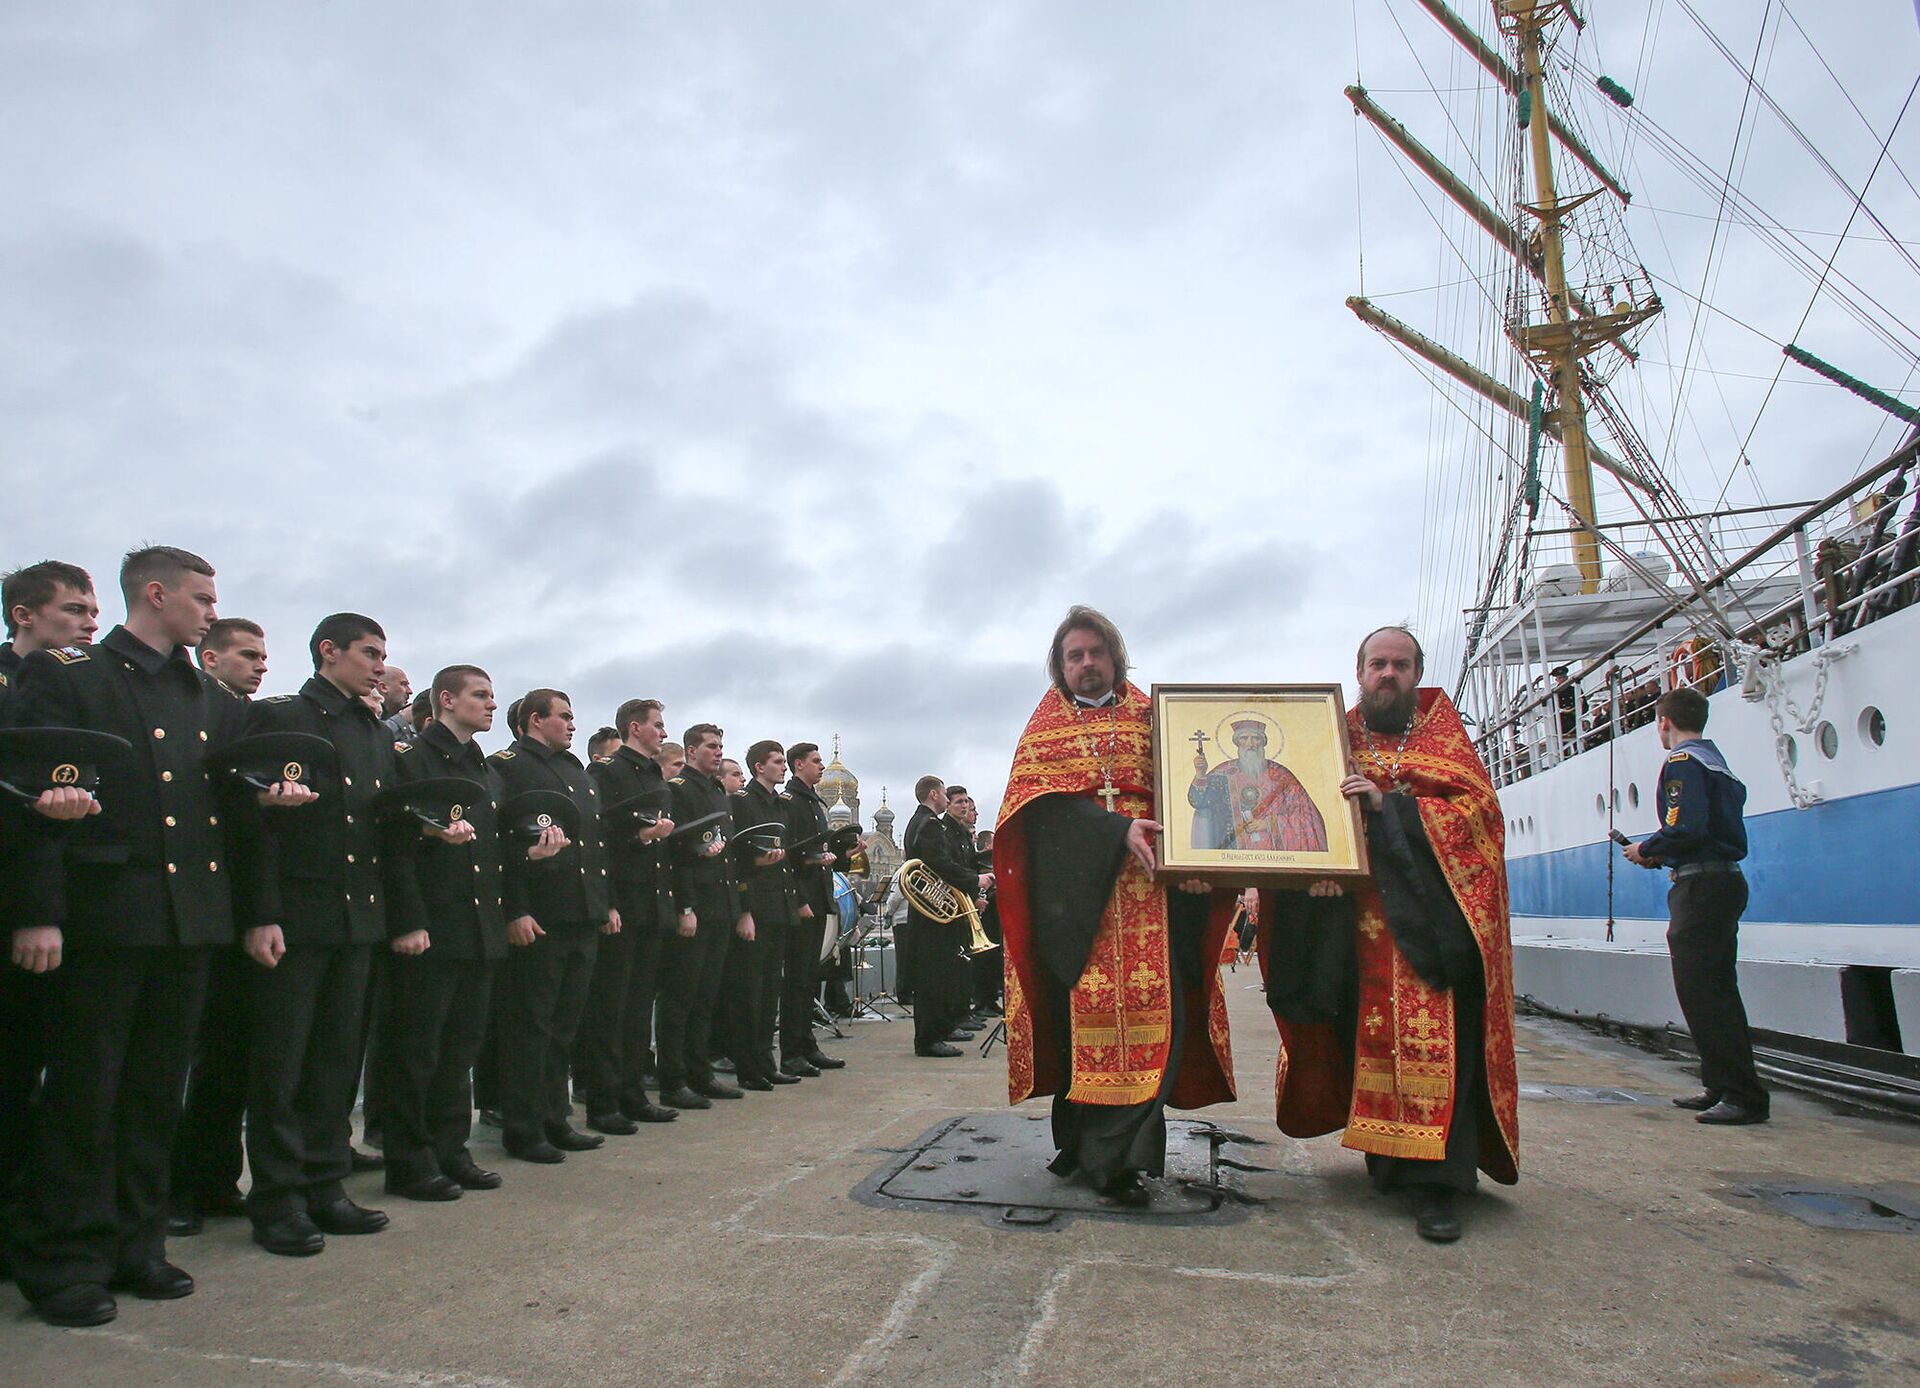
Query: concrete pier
pixel 727 1248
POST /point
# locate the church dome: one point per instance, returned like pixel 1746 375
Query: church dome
pixel 838 783
pixel 838 814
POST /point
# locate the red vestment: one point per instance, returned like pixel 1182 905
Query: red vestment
pixel 1122 1006
pixel 1396 1098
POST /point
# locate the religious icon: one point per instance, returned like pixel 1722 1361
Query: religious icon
pixel 1248 783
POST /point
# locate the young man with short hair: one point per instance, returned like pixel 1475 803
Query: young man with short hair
pixel 47 606
pixel 800 1052
pixel 750 987
pixel 600 747
pixel 338 881
pixel 235 653
pixel 566 905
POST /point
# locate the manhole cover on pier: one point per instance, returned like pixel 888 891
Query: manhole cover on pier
pixel 995 1165
pixel 1825 1205
pixel 1583 1094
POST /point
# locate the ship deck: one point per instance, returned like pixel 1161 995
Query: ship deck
pixel 730 1248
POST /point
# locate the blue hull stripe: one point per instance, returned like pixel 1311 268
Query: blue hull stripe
pixel 1847 862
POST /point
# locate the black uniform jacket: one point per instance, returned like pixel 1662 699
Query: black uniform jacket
pixel 770 891
pixel 10 663
pixel 815 883
pixel 705 884
pixel 153 867
pixel 641 877
pixel 931 839
pixel 573 885
pixel 465 886
pixel 333 872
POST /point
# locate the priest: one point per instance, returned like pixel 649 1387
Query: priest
pixel 1113 1004
pixel 1395 1000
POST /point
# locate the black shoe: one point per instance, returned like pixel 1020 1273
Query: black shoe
pixel 961 1035
pixel 713 1089
pixel 755 1083
pixel 721 1065
pixel 84 1303
pixel 646 1111
pixel 1127 1189
pixel 799 1067
pixel 820 1060
pixel 939 1048
pixel 432 1186
pixel 341 1216
pixel 472 1177
pixel 781 1077
pixel 1728 1114
pixel 1438 1219
pixel 570 1139
pixel 366 1161
pixel 533 1149
pixel 184 1223
pixel 158 1280
pixel 1705 1099
pixel 291 1236
pixel 684 1097
pixel 615 1124
pixel 490 1118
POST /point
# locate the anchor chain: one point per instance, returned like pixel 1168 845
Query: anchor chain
pixel 1765 664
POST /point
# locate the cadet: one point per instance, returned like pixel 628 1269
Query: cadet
pixel 338 881
pixel 800 1053
pixel 763 819
pixel 708 898
pixel 566 903
pixel 439 979
pixel 119 911
pixel 1701 840
pixel 616 1038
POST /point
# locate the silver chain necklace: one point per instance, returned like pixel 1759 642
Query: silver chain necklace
pixel 1393 772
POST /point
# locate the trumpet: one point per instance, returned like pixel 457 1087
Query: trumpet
pixel 937 900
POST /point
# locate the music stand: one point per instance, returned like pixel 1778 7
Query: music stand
pixel 999 1033
pixel 867 1004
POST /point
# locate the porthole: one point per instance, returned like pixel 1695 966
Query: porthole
pixel 1633 795
pixel 1529 824
pixel 1600 805
pixel 1788 748
pixel 1827 738
pixel 1873 727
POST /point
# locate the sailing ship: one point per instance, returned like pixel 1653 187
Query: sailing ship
pixel 1598 578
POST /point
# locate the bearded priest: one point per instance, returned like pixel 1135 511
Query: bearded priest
pixel 1114 1003
pixel 1395 1002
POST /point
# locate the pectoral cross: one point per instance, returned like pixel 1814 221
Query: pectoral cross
pixel 1108 791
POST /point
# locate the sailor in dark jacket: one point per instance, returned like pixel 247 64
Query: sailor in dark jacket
pixel 938 964
pixel 440 979
pixel 707 896
pixel 549 969
pixel 800 1053
pixel 119 910
pixel 336 879
pixel 750 988
pixel 616 1035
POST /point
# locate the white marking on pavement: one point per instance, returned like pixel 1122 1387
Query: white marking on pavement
pixel 349 1373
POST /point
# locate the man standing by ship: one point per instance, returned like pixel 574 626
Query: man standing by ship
pixel 1396 1011
pixel 1701 839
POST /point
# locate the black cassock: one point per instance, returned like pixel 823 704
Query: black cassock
pixel 1075 852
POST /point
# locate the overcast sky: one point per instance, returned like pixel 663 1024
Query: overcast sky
pixel 795 363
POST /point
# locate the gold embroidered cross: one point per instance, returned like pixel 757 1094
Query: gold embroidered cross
pixel 1093 980
pixel 1424 1024
pixel 1375 1021
pixel 1143 978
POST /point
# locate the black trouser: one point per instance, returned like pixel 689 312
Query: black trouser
pixel 486 1068
pixel 23 1055
pixel 690 971
pixel 302 1072
pixel 430 1034
pixel 372 1017
pixel 543 991
pixel 208 1151
pixel 650 922
pixel 1703 940
pixel 599 1048
pixel 743 996
pixel 799 986
pixel 984 970
pixel 93 1196
pixel 934 949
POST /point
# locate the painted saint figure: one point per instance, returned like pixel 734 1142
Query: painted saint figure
pixel 1251 802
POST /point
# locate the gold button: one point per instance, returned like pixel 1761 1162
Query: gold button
pixel 349 819
pixel 214 820
pixel 203 735
pixel 213 867
pixel 476 867
pixel 369 899
pixel 476 901
pixel 160 733
pixel 172 868
pixel 376 783
pixel 171 821
pixel 349 857
pixel 347 780
pixel 166 775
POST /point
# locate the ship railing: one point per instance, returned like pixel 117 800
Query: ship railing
pixel 1849 558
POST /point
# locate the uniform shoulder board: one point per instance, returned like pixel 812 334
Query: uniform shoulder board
pixel 504 754
pixel 402 748
pixel 4 680
pixel 276 699
pixel 1679 756
pixel 678 781
pixel 69 655
pixel 785 795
